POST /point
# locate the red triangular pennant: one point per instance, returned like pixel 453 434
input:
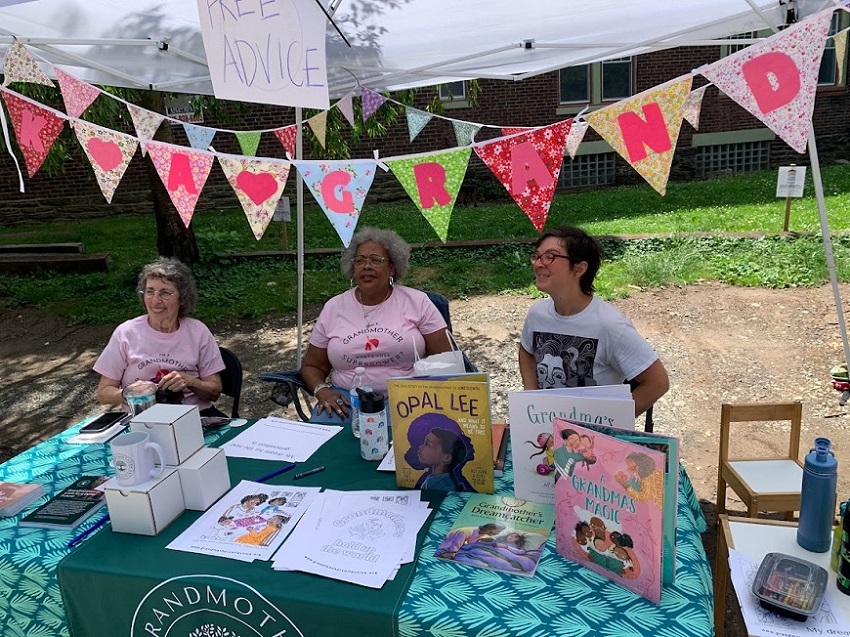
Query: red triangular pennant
pixel 286 135
pixel 36 129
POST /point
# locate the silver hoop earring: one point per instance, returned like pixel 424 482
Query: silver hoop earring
pixel 392 281
pixel 352 283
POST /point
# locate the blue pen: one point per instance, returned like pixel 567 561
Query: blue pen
pixel 79 538
pixel 275 473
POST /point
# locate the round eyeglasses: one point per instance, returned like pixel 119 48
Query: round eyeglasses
pixel 163 294
pixel 547 258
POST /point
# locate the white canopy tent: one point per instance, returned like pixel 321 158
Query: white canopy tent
pixel 395 44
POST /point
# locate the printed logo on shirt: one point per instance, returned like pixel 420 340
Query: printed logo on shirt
pixel 564 360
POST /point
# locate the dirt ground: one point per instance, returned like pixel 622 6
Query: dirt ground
pixel 719 344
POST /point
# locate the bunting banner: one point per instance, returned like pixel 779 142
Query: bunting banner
pixel 36 129
pixel 465 131
pixel 199 137
pixel 693 106
pixel 109 153
pixel 286 136
pixel 340 188
pixel 319 125
pixel 575 137
pixel 513 130
pixel 249 141
pixel 840 41
pixel 258 184
pixel 76 94
pixel 433 181
pixel 776 80
pixel 644 129
pixel 145 122
pixel 183 173
pixel 416 121
pixel 18 66
pixel 346 107
pixel 371 102
pixel 528 166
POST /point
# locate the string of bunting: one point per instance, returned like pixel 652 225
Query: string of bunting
pixel 774 80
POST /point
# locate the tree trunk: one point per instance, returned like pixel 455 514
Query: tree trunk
pixel 173 239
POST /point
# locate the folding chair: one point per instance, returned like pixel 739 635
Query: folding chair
pixel 231 379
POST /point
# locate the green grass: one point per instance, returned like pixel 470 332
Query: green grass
pixel 234 288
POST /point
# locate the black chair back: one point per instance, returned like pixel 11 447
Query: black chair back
pixel 231 379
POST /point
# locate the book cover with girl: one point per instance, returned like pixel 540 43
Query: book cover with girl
pixel 609 498
pixel 441 432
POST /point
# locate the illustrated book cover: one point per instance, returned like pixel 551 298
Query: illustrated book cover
pixel 531 414
pixel 499 533
pixel 14 497
pixel 70 507
pixel 500 447
pixel 442 437
pixel 609 499
pixel 669 446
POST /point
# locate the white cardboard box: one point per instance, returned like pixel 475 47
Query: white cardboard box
pixel 176 428
pixel 146 508
pixel 204 478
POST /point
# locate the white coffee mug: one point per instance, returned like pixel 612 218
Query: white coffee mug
pixel 133 458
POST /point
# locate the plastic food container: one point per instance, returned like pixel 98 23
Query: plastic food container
pixel 790 586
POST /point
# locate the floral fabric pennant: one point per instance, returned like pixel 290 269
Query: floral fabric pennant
pixel 576 134
pixel 372 101
pixel 776 80
pixel 19 66
pixel 200 137
pixel 183 172
pixel 286 136
pixel 693 106
pixel 465 131
pixel 146 123
pixel 109 153
pixel 319 125
pixel 36 129
pixel 248 142
pixel 528 166
pixel 340 188
pixel 644 129
pixel 77 95
pixel 513 130
pixel 258 184
pixel 416 121
pixel 433 182
pixel 346 107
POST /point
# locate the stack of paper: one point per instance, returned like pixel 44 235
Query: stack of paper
pixel 360 537
pixel 248 523
pixel 274 438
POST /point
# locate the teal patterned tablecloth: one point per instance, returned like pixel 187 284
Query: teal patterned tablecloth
pixel 444 599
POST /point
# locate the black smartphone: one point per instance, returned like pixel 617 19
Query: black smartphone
pixel 211 422
pixel 104 422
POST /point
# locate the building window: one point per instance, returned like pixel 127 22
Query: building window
pixel 828 73
pixel 588 170
pixel 453 91
pixel 729 49
pixel 744 157
pixel 608 81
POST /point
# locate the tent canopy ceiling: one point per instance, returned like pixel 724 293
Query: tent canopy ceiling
pixel 394 43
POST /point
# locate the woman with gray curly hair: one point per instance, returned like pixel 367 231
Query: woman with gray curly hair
pixel 163 346
pixel 377 324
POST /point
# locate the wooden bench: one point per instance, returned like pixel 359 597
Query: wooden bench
pixel 25 262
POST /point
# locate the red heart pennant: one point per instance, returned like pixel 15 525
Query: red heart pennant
pixel 107 154
pixel 258 187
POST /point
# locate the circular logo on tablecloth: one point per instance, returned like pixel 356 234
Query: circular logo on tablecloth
pixel 208 606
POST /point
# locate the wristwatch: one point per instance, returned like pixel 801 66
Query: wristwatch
pixel 320 387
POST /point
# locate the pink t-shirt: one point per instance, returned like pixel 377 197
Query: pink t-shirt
pixel 385 349
pixel 136 351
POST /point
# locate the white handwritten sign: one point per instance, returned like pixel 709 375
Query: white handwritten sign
pixel 791 181
pixel 267 51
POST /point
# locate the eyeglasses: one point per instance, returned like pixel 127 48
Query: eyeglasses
pixel 165 295
pixel 548 258
pixel 374 261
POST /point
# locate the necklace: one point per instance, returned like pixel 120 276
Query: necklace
pixel 369 314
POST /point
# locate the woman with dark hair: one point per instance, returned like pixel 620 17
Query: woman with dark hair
pixel 442 452
pixel 164 345
pixel 642 481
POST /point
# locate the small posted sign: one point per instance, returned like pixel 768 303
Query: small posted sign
pixel 791 181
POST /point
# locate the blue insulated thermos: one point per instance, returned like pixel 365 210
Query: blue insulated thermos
pixel 817 498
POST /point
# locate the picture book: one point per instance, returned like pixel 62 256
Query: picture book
pixel 499 533
pixel 609 500
pixel 441 432
pixel 70 507
pixel 500 447
pixel 669 446
pixel 14 497
pixel 531 414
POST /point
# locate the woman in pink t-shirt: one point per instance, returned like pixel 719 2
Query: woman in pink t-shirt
pixel 378 324
pixel 165 346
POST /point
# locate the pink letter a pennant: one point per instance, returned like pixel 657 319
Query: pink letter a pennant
pixel 183 172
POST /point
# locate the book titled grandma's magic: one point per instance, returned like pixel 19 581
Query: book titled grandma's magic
pixel 499 533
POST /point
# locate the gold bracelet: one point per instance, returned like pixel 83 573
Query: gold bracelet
pixel 320 387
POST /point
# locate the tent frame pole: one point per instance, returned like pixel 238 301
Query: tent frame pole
pixel 299 208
